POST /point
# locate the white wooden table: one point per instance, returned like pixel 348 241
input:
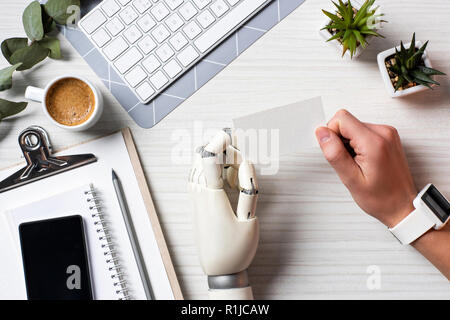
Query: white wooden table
pixel 315 242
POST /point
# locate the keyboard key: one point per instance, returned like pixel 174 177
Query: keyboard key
pixel 160 11
pixel 160 33
pixel 115 26
pixel 151 64
pixel 192 30
pixel 232 2
pixel 174 22
pixel 129 59
pixel 214 34
pixel 101 37
pixel 135 76
pixel 219 8
pixel 187 56
pixel 93 21
pixel 159 80
pixel 206 18
pixel 146 23
pixel 151 43
pixel 173 4
pixel 115 48
pixel 145 91
pixel 110 7
pixel 128 15
pixel 201 3
pixel 132 34
pixel 188 11
pixel 178 41
pixel 147 44
pixel 165 52
pixel 172 68
pixel 142 5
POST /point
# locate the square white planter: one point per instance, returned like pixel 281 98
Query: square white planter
pixel 381 58
pixel 336 43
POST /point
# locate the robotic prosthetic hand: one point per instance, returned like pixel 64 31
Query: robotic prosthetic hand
pixel 227 240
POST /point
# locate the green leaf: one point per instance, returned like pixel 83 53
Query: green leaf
pixel 57 9
pixel 32 21
pixel 9 46
pixel 344 48
pixel 424 84
pixel 6 76
pixel 335 25
pixel 430 71
pixel 399 83
pixel 337 6
pixel 347 34
pixel 422 77
pixel 52 44
pixel 360 38
pixel 416 57
pixel 424 46
pixel 333 17
pixel 336 36
pixel 408 78
pixel 370 32
pixel 347 14
pixel 361 12
pixel 29 56
pixel 47 21
pixel 412 47
pixel 10 108
pixel 352 45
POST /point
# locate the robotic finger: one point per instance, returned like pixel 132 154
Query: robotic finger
pixel 209 161
pixel 248 196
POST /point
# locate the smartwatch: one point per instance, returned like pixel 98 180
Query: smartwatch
pixel 432 210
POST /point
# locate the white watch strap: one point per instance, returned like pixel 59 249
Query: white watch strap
pixel 412 227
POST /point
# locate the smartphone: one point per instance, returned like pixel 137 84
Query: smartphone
pixel 55 259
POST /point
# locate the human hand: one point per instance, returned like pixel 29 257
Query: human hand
pixel 378 176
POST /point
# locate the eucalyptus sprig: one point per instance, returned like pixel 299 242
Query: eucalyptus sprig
pixel 39 20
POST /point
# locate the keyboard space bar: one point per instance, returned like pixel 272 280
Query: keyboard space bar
pixel 227 24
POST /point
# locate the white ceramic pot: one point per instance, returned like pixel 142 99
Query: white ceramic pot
pixel 381 58
pixel 336 43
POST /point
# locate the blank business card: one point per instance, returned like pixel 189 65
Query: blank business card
pixel 289 128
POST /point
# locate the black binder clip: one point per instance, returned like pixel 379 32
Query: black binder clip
pixel 37 150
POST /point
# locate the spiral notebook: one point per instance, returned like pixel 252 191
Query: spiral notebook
pixel 105 248
pixel 86 191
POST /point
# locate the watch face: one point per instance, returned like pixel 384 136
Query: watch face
pixel 437 203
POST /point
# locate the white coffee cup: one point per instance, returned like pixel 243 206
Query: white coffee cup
pixel 40 95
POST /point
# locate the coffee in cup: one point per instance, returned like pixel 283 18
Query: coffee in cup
pixel 70 102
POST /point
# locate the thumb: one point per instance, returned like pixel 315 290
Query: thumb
pixel 337 155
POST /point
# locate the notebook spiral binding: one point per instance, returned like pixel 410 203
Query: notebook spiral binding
pixel 107 244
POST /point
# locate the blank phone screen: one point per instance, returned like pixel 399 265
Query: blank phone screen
pixel 55 259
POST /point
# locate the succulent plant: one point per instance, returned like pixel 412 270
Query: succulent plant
pixel 409 66
pixel 351 26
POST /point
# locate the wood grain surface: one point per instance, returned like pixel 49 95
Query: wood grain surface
pixel 315 242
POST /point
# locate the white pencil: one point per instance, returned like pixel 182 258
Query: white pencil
pixel 132 235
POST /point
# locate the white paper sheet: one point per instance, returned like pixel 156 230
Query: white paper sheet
pixel 295 124
pixel 112 153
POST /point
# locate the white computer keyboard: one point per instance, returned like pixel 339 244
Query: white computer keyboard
pixel 150 43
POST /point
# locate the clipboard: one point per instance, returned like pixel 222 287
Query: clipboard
pixel 144 193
